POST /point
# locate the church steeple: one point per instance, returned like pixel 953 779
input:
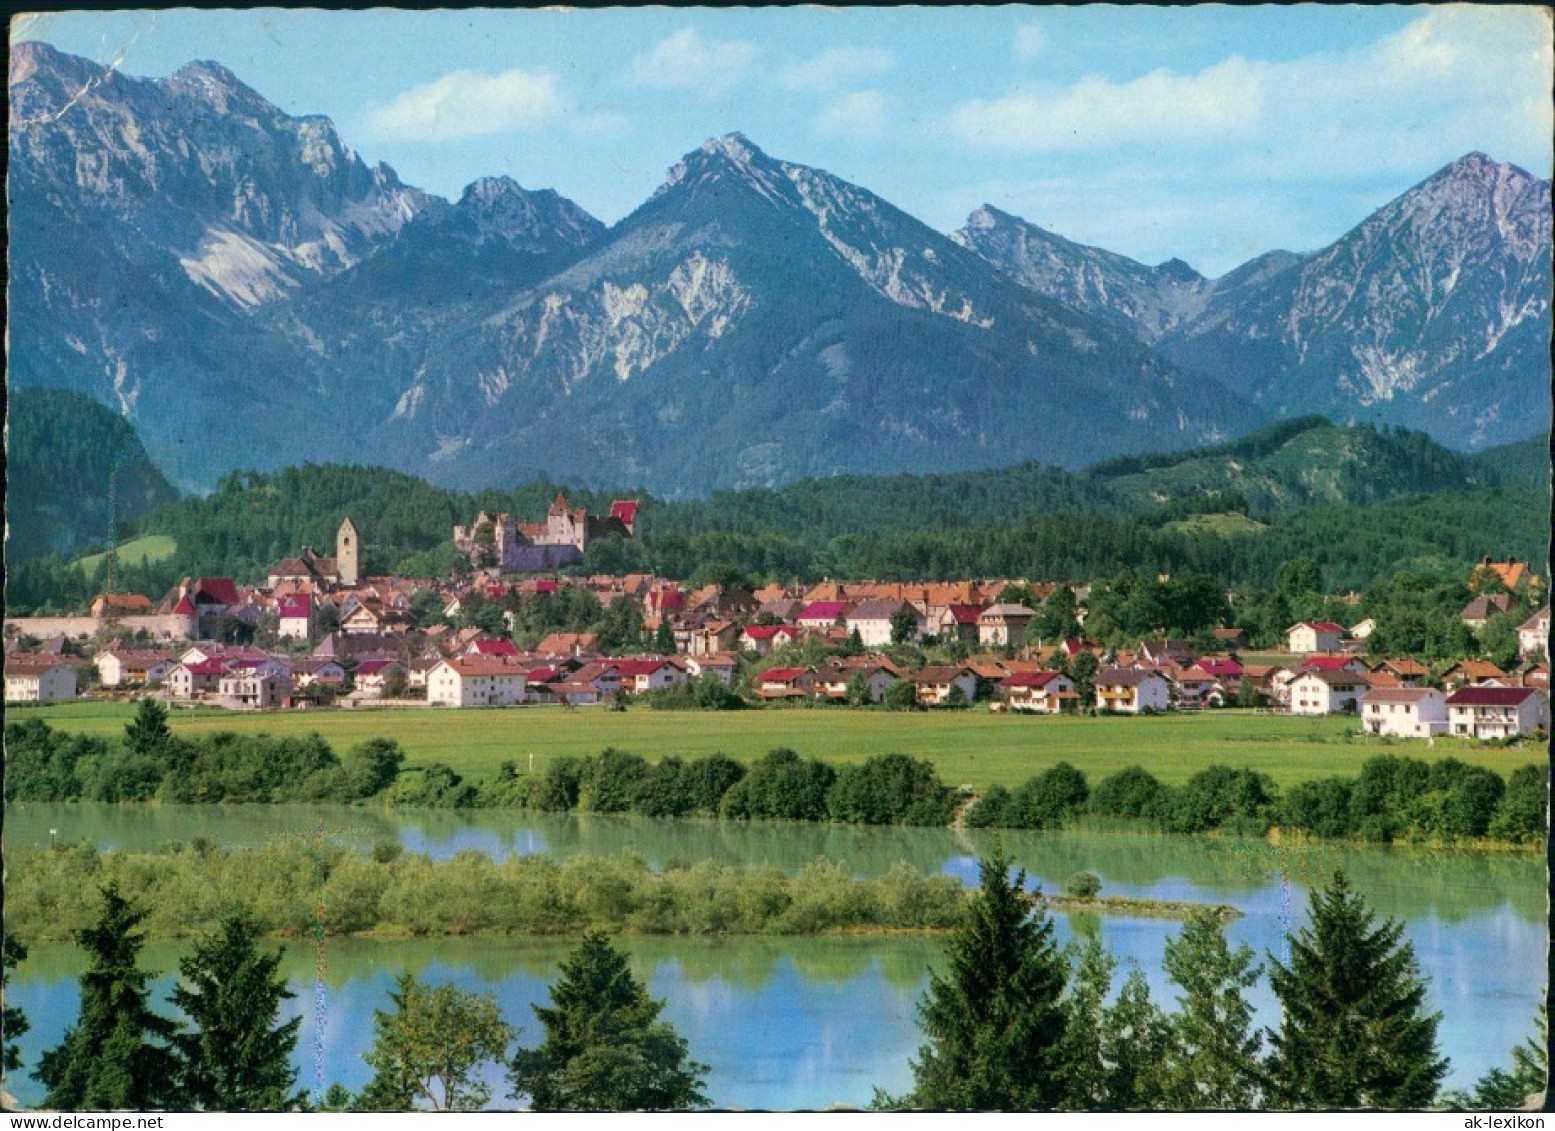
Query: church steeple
pixel 347 552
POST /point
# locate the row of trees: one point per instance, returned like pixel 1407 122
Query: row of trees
pixel 605 1048
pixel 1013 1023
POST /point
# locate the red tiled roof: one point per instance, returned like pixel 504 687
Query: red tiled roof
pixel 965 614
pixel 766 631
pixel 494 648
pixel 220 590
pixel 823 610
pixel 1490 696
pixel 297 605
pixel 638 667
pixel 625 510
pixel 1326 663
pixel 782 675
pixel 1322 626
pixel 1218 668
pixel 185 607
pixel 1028 679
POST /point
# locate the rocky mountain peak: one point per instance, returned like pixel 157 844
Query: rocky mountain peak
pixel 1177 272
pixel 500 208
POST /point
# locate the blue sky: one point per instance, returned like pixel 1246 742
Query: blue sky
pixel 1211 133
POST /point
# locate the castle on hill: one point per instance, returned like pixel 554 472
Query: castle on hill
pixel 495 541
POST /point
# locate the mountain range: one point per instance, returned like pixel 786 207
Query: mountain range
pixel 249 293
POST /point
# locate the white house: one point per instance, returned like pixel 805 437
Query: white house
pixel 1004 625
pixel 38 679
pixel 1325 692
pixel 1533 636
pixel 1404 712
pixel 1314 636
pixel 833 681
pixel 294 616
pixel 1497 712
pixel 638 676
pixel 254 688
pixel 872 621
pixel 469 682
pixel 1042 693
pixel 1129 691
pixel 116 668
pixel 934 685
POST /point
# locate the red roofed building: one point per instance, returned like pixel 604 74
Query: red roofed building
pixel 823 614
pixel 1404 712
pixel 638 676
pixel 787 683
pixel 487 647
pixel 959 622
pixel 1497 712
pixel 294 615
pixel 1350 664
pixel 476 682
pixel 1314 636
pixel 624 511
pixel 761 638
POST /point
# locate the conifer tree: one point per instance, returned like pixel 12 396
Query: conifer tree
pixel 237 1058
pixel 115 1058
pixel 1354 1031
pixel 147 733
pixel 995 1018
pixel 605 1048
pixel 13 1022
pixel 1213 1057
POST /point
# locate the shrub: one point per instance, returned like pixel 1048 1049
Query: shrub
pixel 891 789
pixel 781 785
pixel 559 785
pixel 610 782
pixel 1221 797
pixel 662 791
pixel 992 809
pixel 1083 885
pixel 1322 808
pixel 1521 815
pixel 706 780
pixel 1129 793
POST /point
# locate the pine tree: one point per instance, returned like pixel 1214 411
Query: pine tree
pixel 237 1058
pixel 1501 1090
pixel 604 1048
pixel 1213 1059
pixel 147 733
pixel 428 1048
pixel 995 1019
pixel 115 1058
pixel 13 1022
pixel 1354 1031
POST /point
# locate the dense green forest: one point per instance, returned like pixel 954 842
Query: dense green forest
pixel 1362 502
pixel 76 474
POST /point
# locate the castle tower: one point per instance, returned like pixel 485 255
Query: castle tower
pixel 347 549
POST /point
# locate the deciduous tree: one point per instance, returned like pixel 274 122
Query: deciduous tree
pixel 427 1049
pixel 1213 1056
pixel 13 1022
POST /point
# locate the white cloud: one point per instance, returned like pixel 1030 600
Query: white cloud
pixel 1220 102
pixel 837 66
pixel 466 104
pixel 863 112
pixel 1030 42
pixel 1460 77
pixel 685 61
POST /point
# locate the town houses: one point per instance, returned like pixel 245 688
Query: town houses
pixel 321 632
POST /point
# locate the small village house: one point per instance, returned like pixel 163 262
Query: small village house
pixel 1326 692
pixel 1533 636
pixel 1313 636
pixel 1404 712
pixel 1038 692
pixel 33 678
pixel 475 682
pixel 1130 691
pixel 1004 625
pixel 1497 712
pixel 937 685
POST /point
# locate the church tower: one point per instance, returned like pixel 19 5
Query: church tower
pixel 347 547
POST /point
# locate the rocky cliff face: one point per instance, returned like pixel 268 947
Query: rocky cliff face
pixel 1434 312
pixel 248 292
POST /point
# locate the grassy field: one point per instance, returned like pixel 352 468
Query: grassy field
pixel 975 748
pixel 151 548
pixel 1230 523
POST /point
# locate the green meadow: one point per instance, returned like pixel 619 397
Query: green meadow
pixel 152 548
pixel 976 748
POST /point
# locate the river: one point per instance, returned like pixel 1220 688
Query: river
pixel 810 1023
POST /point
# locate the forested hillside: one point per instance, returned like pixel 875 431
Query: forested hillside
pixel 76 474
pixel 1361 502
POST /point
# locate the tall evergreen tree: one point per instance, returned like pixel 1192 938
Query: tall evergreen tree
pixel 13 1022
pixel 237 1058
pixel 1213 1057
pixel 116 1056
pixel 1354 1031
pixel 147 733
pixel 995 1019
pixel 605 1048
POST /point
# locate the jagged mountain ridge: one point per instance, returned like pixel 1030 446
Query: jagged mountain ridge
pixel 778 322
pixel 1434 312
pixel 220 271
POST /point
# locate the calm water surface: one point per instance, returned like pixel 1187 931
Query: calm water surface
pixel 806 1023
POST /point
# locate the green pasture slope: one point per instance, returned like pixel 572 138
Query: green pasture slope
pixel 149 548
pixel 975 748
